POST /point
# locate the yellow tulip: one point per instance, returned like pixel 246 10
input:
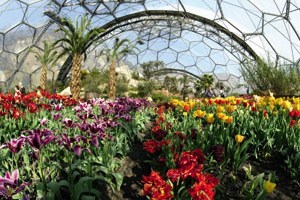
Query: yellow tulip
pixel 199 113
pixel 271 107
pixel 175 102
pixel 228 119
pixel 269 186
pixel 279 101
pixel 296 106
pixel 220 109
pixel 239 138
pixel 287 105
pixel 210 118
pixel 184 114
pixel 230 108
pixel 221 115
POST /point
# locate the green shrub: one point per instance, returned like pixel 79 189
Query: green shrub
pixel 281 79
pixel 159 97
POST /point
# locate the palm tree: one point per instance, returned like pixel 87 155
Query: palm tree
pixel 207 80
pixel 46 59
pixel 77 39
pixel 120 48
pixel 203 83
pixel 185 80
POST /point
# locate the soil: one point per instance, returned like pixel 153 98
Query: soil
pixel 134 167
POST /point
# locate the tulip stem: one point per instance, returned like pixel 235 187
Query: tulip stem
pixel 41 171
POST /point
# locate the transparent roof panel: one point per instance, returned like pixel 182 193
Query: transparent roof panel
pixel 200 36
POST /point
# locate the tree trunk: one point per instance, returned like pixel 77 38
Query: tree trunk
pixel 76 76
pixel 112 80
pixel 43 78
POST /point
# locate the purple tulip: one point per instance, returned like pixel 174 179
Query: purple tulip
pixel 112 123
pixel 95 141
pixel 96 127
pixel 78 150
pixel 65 140
pixel 15 145
pixel 37 138
pixel 43 121
pixel 9 184
pixel 83 127
pixel 56 116
pixel 68 122
pixel 58 107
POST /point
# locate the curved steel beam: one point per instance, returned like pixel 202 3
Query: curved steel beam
pixel 117 23
pixel 173 70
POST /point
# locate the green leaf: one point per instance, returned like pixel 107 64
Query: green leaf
pixel 119 180
pixel 85 197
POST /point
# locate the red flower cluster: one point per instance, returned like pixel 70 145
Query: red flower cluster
pixel 156 187
pixel 15 107
pixel 203 188
pixel 294 113
pixel 153 146
pixel 189 163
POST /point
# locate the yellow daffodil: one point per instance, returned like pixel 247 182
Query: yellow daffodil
pixel 210 118
pixel 239 138
pixel 269 186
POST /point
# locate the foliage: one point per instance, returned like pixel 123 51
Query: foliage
pixel 281 79
pixel 96 81
pixel 150 67
pixel 171 84
pixel 145 88
pixel 122 85
pixel 160 98
pixel 91 80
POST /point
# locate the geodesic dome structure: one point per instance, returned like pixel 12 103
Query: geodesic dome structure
pixel 197 37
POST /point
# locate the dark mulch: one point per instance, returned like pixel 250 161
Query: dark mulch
pixel 133 168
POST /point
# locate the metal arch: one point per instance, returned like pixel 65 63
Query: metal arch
pixel 113 25
pixel 182 14
pixel 173 70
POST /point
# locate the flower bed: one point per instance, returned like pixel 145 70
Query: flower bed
pixel 200 147
pixel 57 148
